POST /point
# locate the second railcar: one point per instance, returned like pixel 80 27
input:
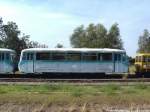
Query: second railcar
pixel 142 63
pixel 74 60
pixel 6 60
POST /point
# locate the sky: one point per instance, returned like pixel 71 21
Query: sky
pixel 53 21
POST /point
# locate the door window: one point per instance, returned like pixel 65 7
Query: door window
pixel 117 57
pixel 1 56
pixel 29 56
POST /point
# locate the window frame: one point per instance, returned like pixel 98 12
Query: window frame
pixel 70 54
pixel 118 57
pixel 63 54
pixel 86 57
pixel 46 58
pixel 101 55
pixel 7 56
pixel 2 56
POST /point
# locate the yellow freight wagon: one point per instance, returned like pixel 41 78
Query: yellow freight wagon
pixel 142 62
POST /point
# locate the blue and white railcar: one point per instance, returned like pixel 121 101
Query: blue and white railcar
pixel 74 60
pixel 6 60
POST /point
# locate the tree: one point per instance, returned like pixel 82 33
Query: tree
pixel 78 38
pixel 2 33
pixel 113 38
pixel 144 42
pixel 96 36
pixel 12 38
pixel 101 33
pixel 59 45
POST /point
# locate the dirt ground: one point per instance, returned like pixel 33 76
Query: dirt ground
pixel 86 107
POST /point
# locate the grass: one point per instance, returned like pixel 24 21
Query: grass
pixel 71 93
pixel 64 88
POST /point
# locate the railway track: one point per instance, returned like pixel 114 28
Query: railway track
pixel 74 80
pixel 73 76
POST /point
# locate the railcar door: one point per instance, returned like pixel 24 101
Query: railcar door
pixel 2 62
pixel 30 62
pixel 117 64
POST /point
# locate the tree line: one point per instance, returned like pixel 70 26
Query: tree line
pixel 97 36
pixel 144 42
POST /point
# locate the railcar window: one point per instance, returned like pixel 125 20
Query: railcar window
pixel 30 56
pixel 12 57
pixel 117 57
pixel 123 57
pixel 146 59
pixel 89 57
pixel 140 59
pixel 42 56
pixel 7 56
pixel 100 57
pixel 136 59
pixel 58 56
pixel 24 56
pixel 106 56
pixel 73 56
pixel 1 56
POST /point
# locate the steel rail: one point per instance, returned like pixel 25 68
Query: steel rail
pixel 73 80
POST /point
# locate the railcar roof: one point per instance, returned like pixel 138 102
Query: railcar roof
pixel 73 50
pixel 6 50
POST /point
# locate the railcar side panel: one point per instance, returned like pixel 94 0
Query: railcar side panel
pixel 72 67
pixel 2 67
pixel 6 67
pixel 45 66
pixel 121 67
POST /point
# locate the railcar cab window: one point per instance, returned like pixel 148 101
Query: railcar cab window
pixel 89 57
pixel 30 56
pixel 58 56
pixel 42 56
pixel 24 56
pixel 27 56
pixel 73 57
pixel 1 56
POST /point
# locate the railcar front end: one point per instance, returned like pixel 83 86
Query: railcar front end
pixel 142 62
